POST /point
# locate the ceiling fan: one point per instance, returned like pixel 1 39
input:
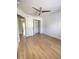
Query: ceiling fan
pixel 40 10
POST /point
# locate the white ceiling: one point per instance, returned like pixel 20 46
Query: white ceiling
pixel 26 5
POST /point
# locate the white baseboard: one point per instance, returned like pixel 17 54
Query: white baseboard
pixel 53 36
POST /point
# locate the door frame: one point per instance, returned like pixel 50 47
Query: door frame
pixel 24 22
pixel 38 26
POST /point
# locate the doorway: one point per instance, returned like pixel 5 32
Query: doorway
pixel 36 27
pixel 21 25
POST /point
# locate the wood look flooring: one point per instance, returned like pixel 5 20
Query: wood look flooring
pixel 39 47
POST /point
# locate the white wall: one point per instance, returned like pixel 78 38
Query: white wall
pixel 52 25
pixel 29 22
pixel 29 26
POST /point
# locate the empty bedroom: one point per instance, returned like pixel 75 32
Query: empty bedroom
pixel 39 29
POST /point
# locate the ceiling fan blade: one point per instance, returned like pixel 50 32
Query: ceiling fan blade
pixel 36 9
pixel 46 11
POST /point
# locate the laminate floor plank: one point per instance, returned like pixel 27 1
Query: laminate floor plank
pixel 39 47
